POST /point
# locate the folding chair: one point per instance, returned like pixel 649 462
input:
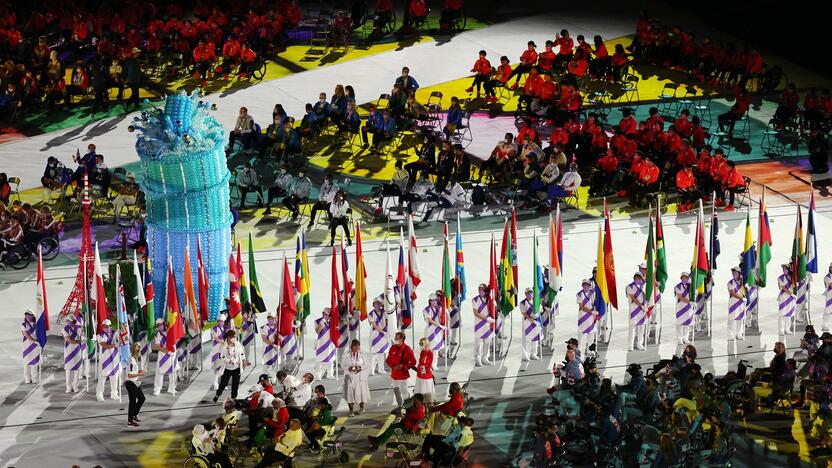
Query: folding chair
pixel 686 101
pixel 702 109
pixel 744 196
pixel 383 101
pixel 462 134
pixel 667 99
pixel 15 181
pixel 779 142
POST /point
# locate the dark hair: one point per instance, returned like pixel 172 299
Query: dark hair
pixel 320 389
pixel 482 52
pixel 281 375
pixel 231 334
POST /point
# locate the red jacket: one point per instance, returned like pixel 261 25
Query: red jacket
pixel 546 59
pixel 424 370
pixel 400 359
pixel 247 55
pixel 648 173
pixel 503 72
pixel 482 66
pixel 685 180
pixel 627 125
pixel 452 406
pixel 231 48
pixel 413 417
pixel 528 57
pixel 566 45
pixel 608 163
pixel 279 423
pixel 547 91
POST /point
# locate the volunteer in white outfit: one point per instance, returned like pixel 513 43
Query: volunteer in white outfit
pixel 531 327
pixel 217 341
pixel 638 313
pixel 109 364
pixel 684 309
pixel 785 300
pixel 74 349
pixel 379 337
pixel 165 360
pixel 356 388
pixel 31 348
pixel 736 306
pixel 827 311
pixel 483 326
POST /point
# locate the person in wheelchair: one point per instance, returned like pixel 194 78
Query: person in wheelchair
pixel 383 16
pixel 204 59
pixel 451 449
pixel 417 11
pixel 202 446
pixel 11 232
pixel 411 422
pixel 340 28
pixel 248 61
pixel 284 449
pixel 451 12
pixel 319 422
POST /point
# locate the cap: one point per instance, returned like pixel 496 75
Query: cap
pixel 28 312
pixel 586 281
pixel 684 274
pixel 737 269
pixel 270 315
pixel 130 175
pixel 786 265
pixel 826 335
pixel 263 376
pixel 642 266
pixel 378 300
pixel 159 321
pixel 222 318
pixel 529 290
pixel 106 322
pixel 573 341
pixel 638 273
pixel 531 43
pixel 433 297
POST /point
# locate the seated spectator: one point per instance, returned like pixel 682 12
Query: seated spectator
pixel 247 181
pixel 410 422
pixel 407 83
pixel 382 17
pixel 531 171
pixel 531 89
pixel 419 192
pixel 417 10
pixel 338 104
pixel 243 129
pixel 442 449
pixel 292 147
pixel 461 165
pixel 53 178
pixel 687 188
pixel 499 164
pixel 309 123
pixel 646 181
pixel 787 108
pixel 284 448
pixel 682 125
pixel 549 175
pixel 500 79
pixel 546 59
pixel 578 66
pixel 451 11
pixel 79 81
pixel 733 183
pixel 203 445
pixel 414 113
pixel 273 137
pixel 606 175
pixel 326 195
pixel 322 109
pixel 452 195
pixel 397 185
pixel 739 109
pixel 277 422
pixel 299 193
pixel 338 216
pixel 282 184
pixel 526 132
pixel 527 60
pixel 9 100
pixel 204 59
pixel 565 47
pixel 386 130
pixel 569 183
pixel 298 397
pixel 397 102
pixel 350 121
pixel 627 124
pixel 427 158
pixel 55 92
pixel 373 124
pixel 127 193
pixel 230 56
pixel 619 62
pixel 482 73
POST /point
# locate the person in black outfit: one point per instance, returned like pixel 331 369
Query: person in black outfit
pixel 98 80
pixel 133 78
pixel 134 389
pixel 427 158
pixel 818 152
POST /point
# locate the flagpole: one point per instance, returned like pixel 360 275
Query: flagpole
pixel 711 263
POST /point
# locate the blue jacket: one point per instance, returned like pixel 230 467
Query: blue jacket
pixel 455 116
pixel 321 109
pixel 388 126
pixel 374 121
pixel 339 103
pixel 352 121
pixel 412 84
pixel 292 141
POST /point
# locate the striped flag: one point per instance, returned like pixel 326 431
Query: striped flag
pixel 245 300
pixel 493 283
pixel 460 263
pixel 508 290
pixel 601 290
pixel 234 305
pixel 360 275
pixel 98 295
pixel 749 254
pixel 345 272
pixel 798 259
pixel 149 308
pixel 537 286
pixel 121 317
pixel 41 305
pixel 555 256
pixel 389 297
pixel 650 258
pixel 699 266
pixel 513 257
pixel 302 277
pixel 405 299
pixel 254 286
pixel 609 262
pixel 764 243
pixel 661 253
pixel 811 239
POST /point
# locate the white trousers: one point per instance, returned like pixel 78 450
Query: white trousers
pixel 400 391
pixel 682 332
pixel 529 347
pixel 325 370
pixel 826 325
pixel 636 335
pixel 158 382
pixel 736 329
pixel 377 364
pixel 72 377
pixel 114 382
pixel 785 324
pixel 584 340
pixel 454 335
pixel 483 349
pixel 30 373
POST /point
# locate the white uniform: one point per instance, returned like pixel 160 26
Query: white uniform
pixel 217 341
pixel 73 354
pixel 684 312
pixel 827 311
pixel 801 303
pixel 109 365
pixel 324 350
pixel 249 330
pixel 483 329
pixel 379 340
pixel 587 319
pixel 31 351
pixel 532 330
pixel 736 311
pixel 164 365
pixel 356 389
pixel 270 352
pixel 785 304
pixel 638 316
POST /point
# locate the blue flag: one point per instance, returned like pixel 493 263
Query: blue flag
pixel 715 249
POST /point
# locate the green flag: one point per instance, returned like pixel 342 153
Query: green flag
pixel 537 274
pixel 256 298
pixel 650 281
pixel 661 255
pixel 508 290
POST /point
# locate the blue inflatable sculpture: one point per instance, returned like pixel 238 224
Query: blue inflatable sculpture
pixel 185 182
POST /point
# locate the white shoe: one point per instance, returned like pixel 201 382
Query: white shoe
pixel 76 389
pixel 156 392
pixel 642 347
pixel 535 357
pixel 525 358
pixel 115 397
pixel 680 341
pixel 486 362
pixel 68 390
pixel 630 348
pixel 99 397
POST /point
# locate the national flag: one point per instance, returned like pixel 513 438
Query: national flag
pixel 405 301
pixel 554 274
pixel 335 291
pixel 811 239
pixel 460 263
pixel 141 301
pixel 244 298
pixel 89 323
pixel 389 298
pixel 715 246
pixel 661 254
pixel 302 277
pixel 749 254
pixel 650 258
pixel 513 257
pixel 360 275
pixel 798 254
pixel 493 283
pixel 700 264
pixel 234 305
pixel 609 262
pixel 101 312
pixel 508 290
pixel 201 285
pixel 447 294
pixel 345 272
pixel 41 305
pixel 537 275
pixel 601 290
pixel 191 312
pixel 288 307
pixel 176 331
pixel 559 237
pixel 123 322
pixel 253 285
pixel 764 243
pixel 412 259
pixel 149 308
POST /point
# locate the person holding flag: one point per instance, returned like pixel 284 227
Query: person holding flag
pixel 379 336
pixel 218 332
pixel 552 280
pixel 324 347
pixel 73 334
pixel 191 351
pixel 434 330
pixel 638 313
pixel 684 309
pixel 459 288
pixel 587 315
pixel 270 344
pixel 483 324
pixel 109 364
pixel 531 326
pixel 287 314
pixel 31 348
pixel 164 360
pixel 736 306
pixel 800 278
pixel 785 300
pixel 248 330
pixel 701 301
pixel 748 259
pixel 827 311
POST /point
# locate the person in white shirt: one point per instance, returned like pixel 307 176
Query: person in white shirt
pixel 299 395
pixel 247 181
pixel 338 217
pixel 134 389
pixel 453 195
pixel 568 184
pixel 397 185
pixel 325 197
pixel 243 129
pixel 232 357
pixel 420 190
pixel 356 388
pixel 285 447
